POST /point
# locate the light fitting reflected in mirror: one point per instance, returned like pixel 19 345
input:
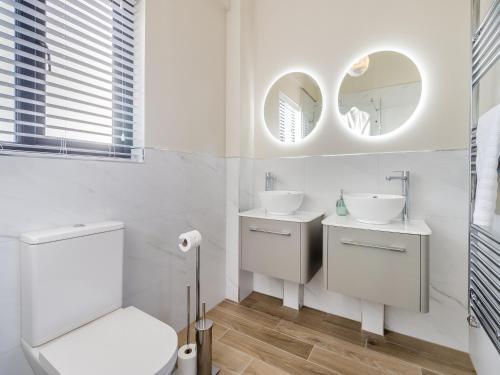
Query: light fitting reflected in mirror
pixel 293 107
pixel 359 67
pixel 379 93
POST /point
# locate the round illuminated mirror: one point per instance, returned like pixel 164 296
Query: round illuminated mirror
pixel 379 93
pixel 293 107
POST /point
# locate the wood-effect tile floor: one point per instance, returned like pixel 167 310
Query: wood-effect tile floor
pixel 260 336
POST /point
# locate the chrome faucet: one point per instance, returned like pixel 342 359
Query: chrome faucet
pixel 269 181
pixel 404 176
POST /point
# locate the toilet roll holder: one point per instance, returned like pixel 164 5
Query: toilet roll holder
pixel 203 328
pixel 186 364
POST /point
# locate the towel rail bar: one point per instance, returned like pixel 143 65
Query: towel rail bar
pixel 486 44
pixel 488 17
pixel 484 243
pixel 487 296
pixel 479 253
pixel 485 233
pixel 485 276
pixel 487 324
pixel 480 295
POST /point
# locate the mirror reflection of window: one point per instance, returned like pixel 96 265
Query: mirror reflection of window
pixel 382 96
pixel 310 112
pixel 289 118
pixel 293 107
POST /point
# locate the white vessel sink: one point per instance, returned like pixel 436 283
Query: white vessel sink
pixel 281 202
pixel 374 208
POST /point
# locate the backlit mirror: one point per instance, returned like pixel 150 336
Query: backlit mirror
pixel 379 93
pixel 293 107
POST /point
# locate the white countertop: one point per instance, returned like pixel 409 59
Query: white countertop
pixel 298 217
pixel 418 227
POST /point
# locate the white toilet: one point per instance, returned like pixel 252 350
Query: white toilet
pixel 72 320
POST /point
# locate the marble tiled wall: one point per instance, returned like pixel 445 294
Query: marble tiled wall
pixel 173 192
pixel 438 193
pixel 168 194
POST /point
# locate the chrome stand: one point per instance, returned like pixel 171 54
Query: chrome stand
pixel 203 329
pixel 197 283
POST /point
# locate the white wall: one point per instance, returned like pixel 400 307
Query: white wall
pixel 323 37
pixel 185 75
pixel 240 82
pixel 483 353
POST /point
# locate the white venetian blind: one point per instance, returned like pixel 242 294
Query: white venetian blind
pixel 67 82
pixel 289 114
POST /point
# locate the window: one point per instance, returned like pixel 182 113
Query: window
pixel 290 118
pixel 67 82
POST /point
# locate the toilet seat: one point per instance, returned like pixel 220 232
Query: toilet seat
pixel 124 342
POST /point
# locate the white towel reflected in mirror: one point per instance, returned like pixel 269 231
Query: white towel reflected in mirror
pixel 488 154
pixel 358 121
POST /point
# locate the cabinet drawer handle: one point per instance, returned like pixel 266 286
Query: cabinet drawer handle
pixel 374 246
pixel 255 229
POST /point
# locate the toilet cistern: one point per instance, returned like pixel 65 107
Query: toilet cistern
pixel 404 176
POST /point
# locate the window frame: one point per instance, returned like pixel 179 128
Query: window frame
pixel 118 149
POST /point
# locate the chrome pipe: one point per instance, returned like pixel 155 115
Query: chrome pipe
pixel 188 312
pixel 197 283
pixel 485 233
pixel 269 181
pixel 489 16
pixel 404 176
pixel 204 345
pixel 478 75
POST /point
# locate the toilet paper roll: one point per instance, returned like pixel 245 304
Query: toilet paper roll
pixel 189 240
pixel 186 360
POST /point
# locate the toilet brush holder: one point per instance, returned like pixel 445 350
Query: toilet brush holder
pixel 203 329
pixel 204 347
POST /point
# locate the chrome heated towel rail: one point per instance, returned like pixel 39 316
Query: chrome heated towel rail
pixel 484 244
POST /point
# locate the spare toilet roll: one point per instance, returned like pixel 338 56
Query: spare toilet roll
pixel 186 362
pixel 189 240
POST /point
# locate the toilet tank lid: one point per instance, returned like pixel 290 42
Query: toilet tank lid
pixel 73 231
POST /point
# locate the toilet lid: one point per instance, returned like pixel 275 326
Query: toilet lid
pixel 124 342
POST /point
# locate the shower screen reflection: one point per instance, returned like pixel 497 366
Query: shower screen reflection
pixel 379 93
pixel 293 107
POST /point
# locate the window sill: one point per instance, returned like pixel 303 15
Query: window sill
pixel 28 154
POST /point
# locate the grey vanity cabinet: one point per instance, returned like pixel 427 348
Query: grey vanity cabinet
pixel 383 267
pixel 287 250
